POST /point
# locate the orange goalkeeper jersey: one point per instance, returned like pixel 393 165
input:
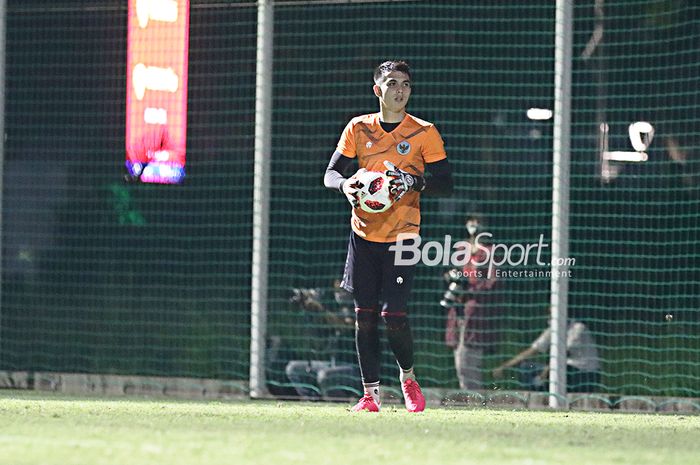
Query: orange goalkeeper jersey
pixel 410 146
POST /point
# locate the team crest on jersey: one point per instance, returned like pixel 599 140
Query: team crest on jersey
pixel 368 144
pixel 403 148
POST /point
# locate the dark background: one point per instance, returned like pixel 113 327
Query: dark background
pixel 107 277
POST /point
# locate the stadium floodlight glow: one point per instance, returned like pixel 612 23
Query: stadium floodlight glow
pixel 633 157
pixel 539 114
pixel 641 135
pixel 156 99
pixel 153 78
pixel 155 115
pixel 158 10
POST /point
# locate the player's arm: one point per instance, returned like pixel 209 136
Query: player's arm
pixel 338 321
pixel 438 179
pixel 438 172
pixel 335 178
pixel 336 171
pixel 521 357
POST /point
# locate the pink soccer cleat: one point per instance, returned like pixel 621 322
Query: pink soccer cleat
pixel 412 395
pixel 367 403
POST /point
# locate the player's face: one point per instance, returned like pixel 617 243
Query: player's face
pixel 394 91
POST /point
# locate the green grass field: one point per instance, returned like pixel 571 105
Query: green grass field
pixel 50 429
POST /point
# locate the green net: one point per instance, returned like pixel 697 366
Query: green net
pixel 100 276
pixel 476 71
pixel 634 225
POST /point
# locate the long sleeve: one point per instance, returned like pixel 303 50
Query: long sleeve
pixel 438 179
pixel 335 172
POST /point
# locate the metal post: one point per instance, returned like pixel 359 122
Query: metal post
pixel 3 68
pixel 261 199
pixel 560 202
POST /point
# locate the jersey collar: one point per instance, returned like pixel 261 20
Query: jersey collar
pixel 397 131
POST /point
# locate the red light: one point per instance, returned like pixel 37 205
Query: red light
pixel 156 96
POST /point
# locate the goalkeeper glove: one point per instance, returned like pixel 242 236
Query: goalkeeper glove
pixel 402 181
pixel 351 186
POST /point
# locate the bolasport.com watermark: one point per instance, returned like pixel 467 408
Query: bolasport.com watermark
pixel 482 252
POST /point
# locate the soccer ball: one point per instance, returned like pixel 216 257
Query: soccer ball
pixel 374 195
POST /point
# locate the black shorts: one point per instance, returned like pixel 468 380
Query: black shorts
pixel 372 277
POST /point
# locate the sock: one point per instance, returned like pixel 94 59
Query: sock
pixel 373 390
pixel 367 343
pixel 398 332
pixel 406 374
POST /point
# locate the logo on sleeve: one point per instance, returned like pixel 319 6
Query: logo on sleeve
pixel 403 148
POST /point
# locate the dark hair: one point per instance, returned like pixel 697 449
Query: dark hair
pixel 389 66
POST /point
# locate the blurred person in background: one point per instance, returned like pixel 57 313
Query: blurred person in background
pixel 330 372
pixel 582 363
pixel 472 309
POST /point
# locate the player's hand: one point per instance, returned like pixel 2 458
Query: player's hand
pixel 402 181
pixel 497 373
pixel 350 188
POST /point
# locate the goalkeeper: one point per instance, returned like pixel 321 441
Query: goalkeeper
pixel 413 152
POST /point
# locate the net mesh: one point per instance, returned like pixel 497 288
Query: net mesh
pixel 634 227
pixel 107 277
pixel 100 276
pixel 476 70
